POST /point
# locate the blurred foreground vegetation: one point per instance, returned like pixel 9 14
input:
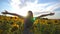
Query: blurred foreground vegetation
pixel 15 25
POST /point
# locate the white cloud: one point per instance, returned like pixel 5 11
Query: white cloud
pixel 23 6
pixel 17 4
pixel 53 7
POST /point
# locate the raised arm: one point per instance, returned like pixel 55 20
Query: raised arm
pixel 45 15
pixel 6 12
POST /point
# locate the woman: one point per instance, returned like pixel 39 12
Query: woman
pixel 28 20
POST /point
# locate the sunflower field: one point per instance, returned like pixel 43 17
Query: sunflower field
pixel 15 25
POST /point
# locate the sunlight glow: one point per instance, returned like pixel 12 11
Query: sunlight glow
pixel 22 7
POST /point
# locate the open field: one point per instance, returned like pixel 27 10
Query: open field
pixel 15 25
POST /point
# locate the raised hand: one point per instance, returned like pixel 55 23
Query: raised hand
pixel 6 12
pixel 45 15
pixel 51 13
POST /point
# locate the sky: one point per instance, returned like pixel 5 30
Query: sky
pixel 38 7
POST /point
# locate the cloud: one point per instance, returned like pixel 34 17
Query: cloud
pixel 23 6
pixel 53 7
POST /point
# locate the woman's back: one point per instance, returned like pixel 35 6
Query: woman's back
pixel 28 21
